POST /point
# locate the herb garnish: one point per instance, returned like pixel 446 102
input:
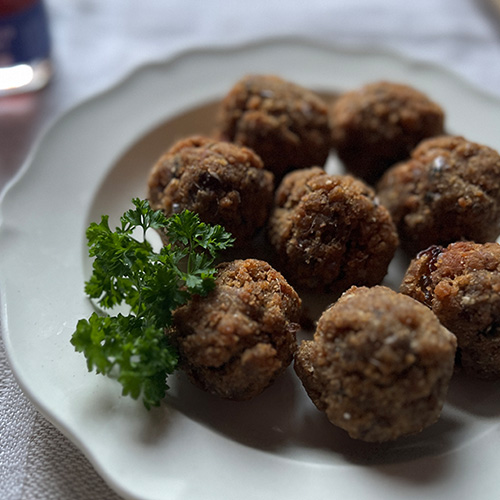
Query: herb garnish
pixel 133 348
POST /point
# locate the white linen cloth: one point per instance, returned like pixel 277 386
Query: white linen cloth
pixel 97 43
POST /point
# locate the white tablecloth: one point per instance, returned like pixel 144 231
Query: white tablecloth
pixel 96 43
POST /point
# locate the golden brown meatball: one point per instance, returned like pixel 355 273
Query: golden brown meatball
pixel 284 123
pixel 461 284
pixel 448 191
pixel 234 342
pixel 224 183
pixel 379 124
pixel 329 232
pixel 379 365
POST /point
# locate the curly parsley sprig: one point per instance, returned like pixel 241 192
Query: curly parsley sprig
pixel 133 348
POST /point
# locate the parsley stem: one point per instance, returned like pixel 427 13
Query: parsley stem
pixel 132 348
pixel 190 256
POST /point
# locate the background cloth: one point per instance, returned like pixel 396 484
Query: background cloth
pixel 97 43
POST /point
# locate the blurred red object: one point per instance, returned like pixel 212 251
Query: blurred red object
pixel 12 6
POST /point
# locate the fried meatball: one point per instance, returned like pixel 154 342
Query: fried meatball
pixel 284 123
pixel 380 124
pixel 379 365
pixel 329 232
pixel 235 341
pixel 224 183
pixel 461 284
pixel 448 191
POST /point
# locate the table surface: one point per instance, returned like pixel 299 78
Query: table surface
pixel 96 44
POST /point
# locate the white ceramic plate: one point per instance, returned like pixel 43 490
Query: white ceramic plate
pixel 93 161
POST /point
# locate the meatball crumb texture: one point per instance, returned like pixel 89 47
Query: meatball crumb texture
pixel 235 341
pixel 379 365
pixel 379 124
pixel 329 232
pixel 224 183
pixel 449 190
pixel 461 284
pixel 285 124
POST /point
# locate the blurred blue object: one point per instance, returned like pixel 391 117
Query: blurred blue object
pixel 24 46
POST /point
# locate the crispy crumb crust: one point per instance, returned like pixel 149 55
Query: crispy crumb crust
pixel 285 124
pixel 224 183
pixel 237 340
pixel 379 124
pixel 330 232
pixel 379 365
pixel 461 284
pixel 448 191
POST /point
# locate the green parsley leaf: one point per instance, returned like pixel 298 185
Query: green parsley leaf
pixel 134 349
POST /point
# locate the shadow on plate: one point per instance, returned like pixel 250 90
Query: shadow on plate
pixel 475 397
pixel 282 420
